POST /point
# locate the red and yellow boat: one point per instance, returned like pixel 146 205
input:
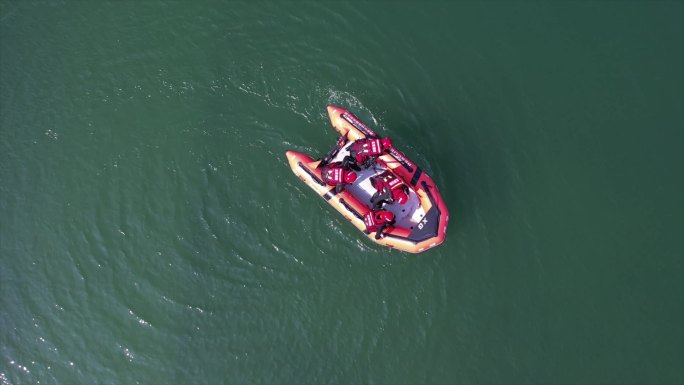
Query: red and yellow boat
pixel 420 223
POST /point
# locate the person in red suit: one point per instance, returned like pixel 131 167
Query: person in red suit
pixel 364 151
pixel 338 175
pixel 378 221
pixel 390 189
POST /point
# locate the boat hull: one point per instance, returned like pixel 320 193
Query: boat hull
pixel 421 222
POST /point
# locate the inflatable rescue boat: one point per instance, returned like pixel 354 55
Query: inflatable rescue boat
pixel 420 216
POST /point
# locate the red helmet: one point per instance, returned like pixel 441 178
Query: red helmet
pixel 350 177
pixel 384 216
pixel 386 143
pixel 401 197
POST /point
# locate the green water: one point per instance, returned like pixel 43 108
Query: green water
pixel 151 231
